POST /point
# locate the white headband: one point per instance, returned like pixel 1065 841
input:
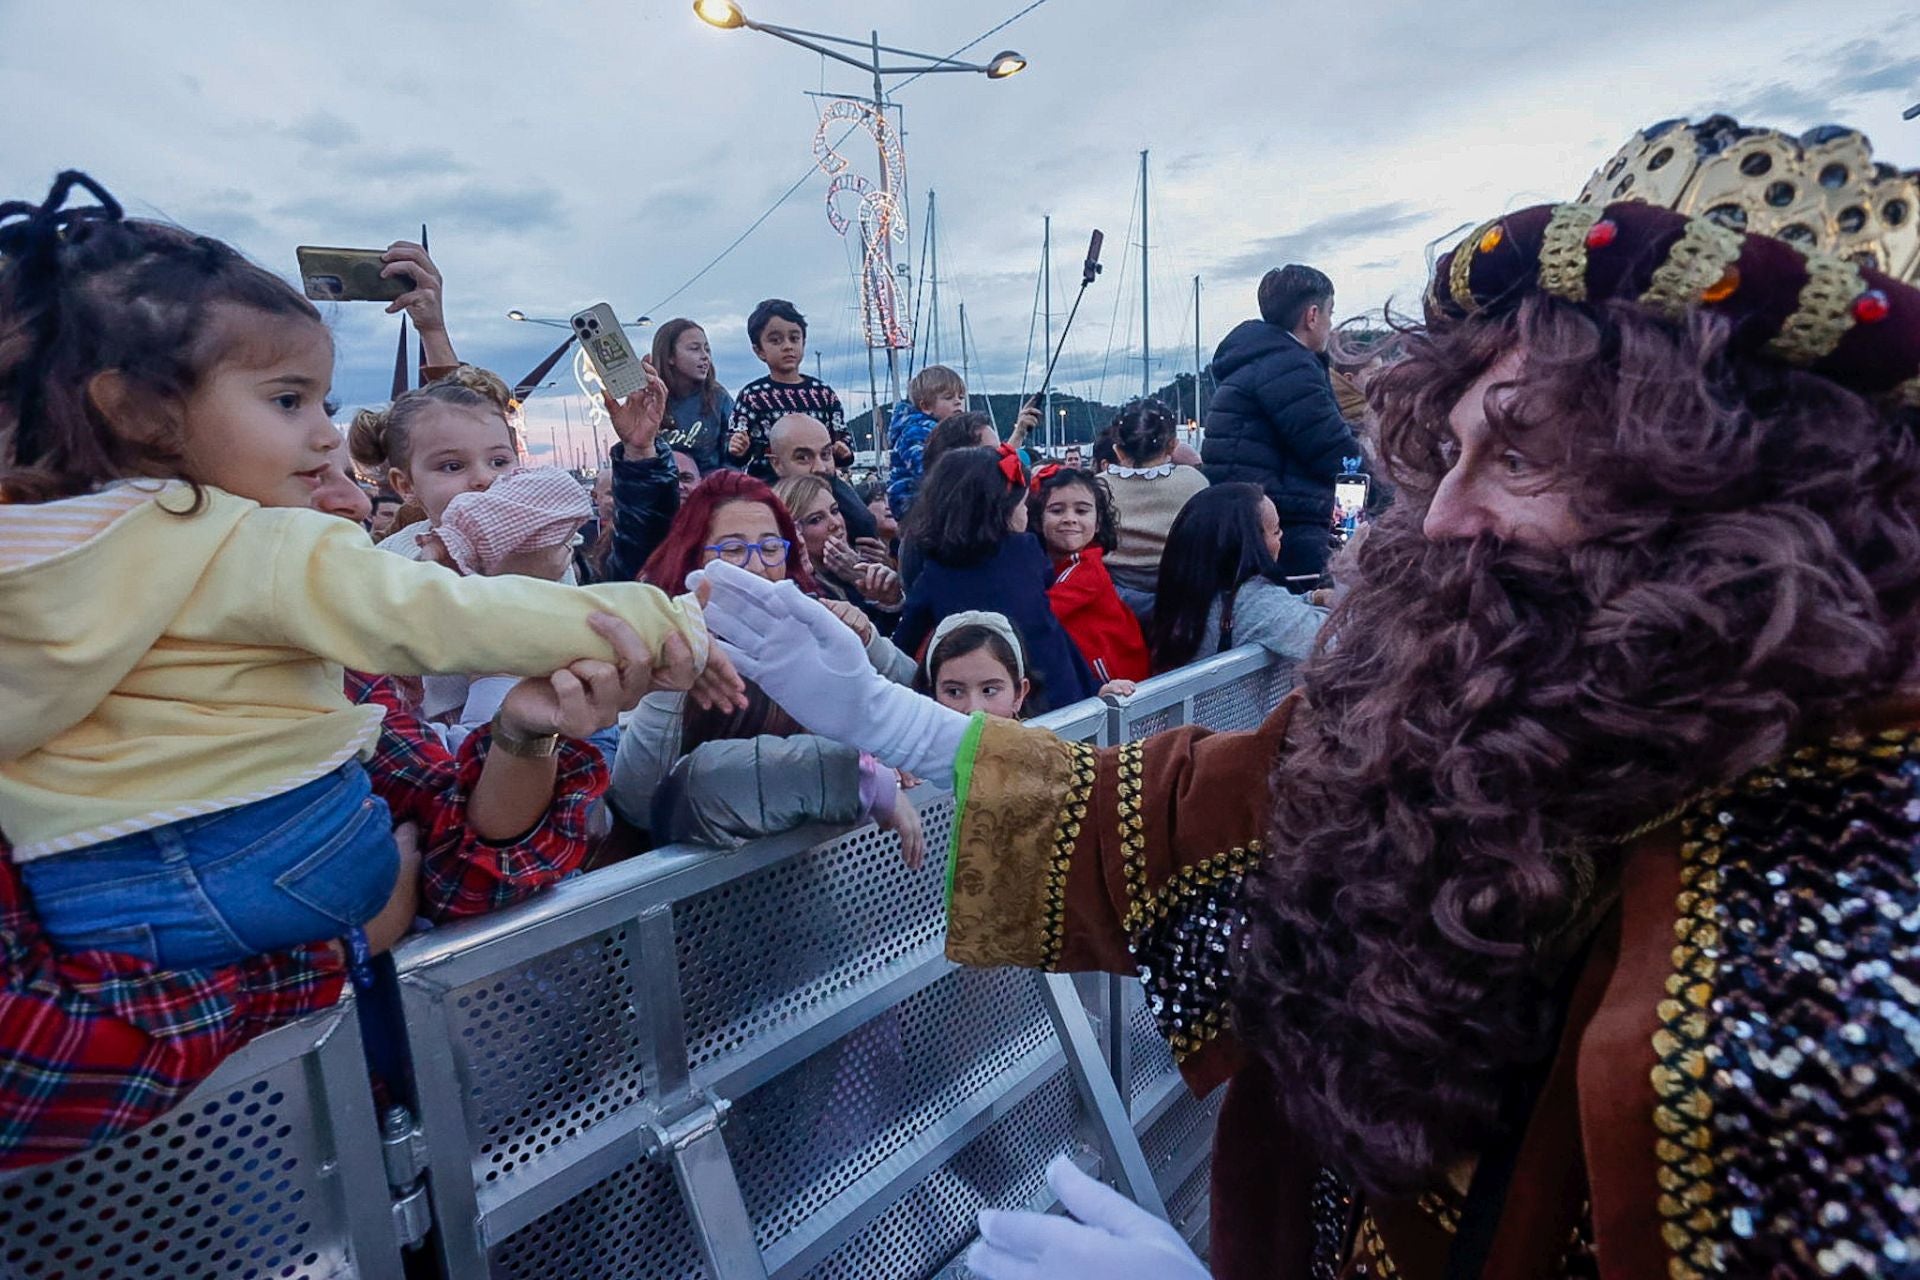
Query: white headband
pixel 994 622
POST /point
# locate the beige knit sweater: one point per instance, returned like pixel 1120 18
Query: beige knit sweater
pixel 1145 505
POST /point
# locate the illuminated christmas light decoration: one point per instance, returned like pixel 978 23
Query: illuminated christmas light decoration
pixel 517 431
pixel 588 379
pixel 881 217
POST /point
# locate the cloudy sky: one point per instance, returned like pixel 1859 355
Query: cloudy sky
pixel 566 154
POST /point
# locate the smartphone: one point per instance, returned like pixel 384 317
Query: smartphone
pixel 349 275
pixel 605 343
pixel 1350 490
pixel 1350 499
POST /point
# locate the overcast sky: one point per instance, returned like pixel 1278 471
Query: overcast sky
pixel 601 150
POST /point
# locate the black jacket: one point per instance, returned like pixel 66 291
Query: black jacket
pixel 646 495
pixel 860 521
pixel 1274 422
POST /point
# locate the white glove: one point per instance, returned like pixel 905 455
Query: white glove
pixel 1109 1237
pixel 815 667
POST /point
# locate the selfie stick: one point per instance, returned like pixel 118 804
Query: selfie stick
pixel 1088 270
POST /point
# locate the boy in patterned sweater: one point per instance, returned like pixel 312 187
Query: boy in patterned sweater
pixel 779 335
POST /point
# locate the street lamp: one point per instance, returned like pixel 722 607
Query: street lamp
pixel 728 16
pixel 524 318
pixel 1005 63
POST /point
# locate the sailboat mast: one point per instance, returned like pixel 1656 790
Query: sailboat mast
pixel 1196 351
pixel 1046 289
pixel 933 276
pixel 1146 339
pixel 963 342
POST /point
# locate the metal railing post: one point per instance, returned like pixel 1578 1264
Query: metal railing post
pixel 1121 1155
pixel 687 1134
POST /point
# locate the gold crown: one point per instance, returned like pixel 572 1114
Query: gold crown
pixel 1822 191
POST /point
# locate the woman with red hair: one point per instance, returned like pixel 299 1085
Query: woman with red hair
pixel 684 774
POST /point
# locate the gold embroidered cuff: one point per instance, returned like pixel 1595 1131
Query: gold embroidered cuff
pixel 1025 805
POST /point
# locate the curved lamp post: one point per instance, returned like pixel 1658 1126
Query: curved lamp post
pixel 728 16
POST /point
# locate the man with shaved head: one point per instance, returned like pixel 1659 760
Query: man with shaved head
pixel 801 446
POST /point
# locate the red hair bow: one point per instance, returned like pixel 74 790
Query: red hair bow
pixel 1042 474
pixel 1010 467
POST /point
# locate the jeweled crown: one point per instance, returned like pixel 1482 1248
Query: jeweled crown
pixel 1822 192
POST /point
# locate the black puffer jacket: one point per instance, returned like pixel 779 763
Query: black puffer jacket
pixel 646 496
pixel 1274 422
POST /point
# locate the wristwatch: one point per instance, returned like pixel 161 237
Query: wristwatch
pixel 534 748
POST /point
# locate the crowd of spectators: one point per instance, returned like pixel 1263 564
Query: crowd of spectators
pixel 984 574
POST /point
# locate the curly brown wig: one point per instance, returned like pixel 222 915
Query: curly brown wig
pixel 1483 721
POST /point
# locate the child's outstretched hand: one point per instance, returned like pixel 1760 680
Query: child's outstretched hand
pixel 636 420
pixel 718 687
pixel 905 822
pixel 586 696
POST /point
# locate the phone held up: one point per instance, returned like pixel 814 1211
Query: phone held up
pixel 605 343
pixel 349 275
pixel 1350 490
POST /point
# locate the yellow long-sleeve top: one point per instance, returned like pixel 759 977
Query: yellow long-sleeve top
pixel 156 665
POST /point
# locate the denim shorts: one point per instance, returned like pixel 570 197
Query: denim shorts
pixel 303 866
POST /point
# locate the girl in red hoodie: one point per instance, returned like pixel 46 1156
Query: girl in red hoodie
pixel 1073 514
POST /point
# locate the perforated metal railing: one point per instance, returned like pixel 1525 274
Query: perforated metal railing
pixel 272 1167
pixel 692 1064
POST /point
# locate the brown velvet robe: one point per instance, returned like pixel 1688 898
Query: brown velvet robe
pixel 1665 1141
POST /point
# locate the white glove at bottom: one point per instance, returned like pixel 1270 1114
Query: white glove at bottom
pixel 1108 1236
pixel 815 667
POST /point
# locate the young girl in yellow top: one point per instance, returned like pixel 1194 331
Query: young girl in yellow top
pixel 179 771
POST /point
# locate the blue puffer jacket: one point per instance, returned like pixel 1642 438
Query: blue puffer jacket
pixel 907 437
pixel 1274 422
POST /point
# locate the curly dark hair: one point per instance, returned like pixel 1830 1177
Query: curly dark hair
pixel 1106 526
pixel 1483 722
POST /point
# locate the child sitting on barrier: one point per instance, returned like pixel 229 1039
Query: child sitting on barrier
pixel 180 773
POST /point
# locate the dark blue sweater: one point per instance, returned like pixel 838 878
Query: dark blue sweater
pixel 1012 581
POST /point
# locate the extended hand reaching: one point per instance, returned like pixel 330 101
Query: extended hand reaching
pixel 816 668
pixel 1108 1236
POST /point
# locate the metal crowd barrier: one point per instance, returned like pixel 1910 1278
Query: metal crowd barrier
pixel 272 1167
pixel 695 1063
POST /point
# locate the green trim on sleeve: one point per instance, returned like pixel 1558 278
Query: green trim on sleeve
pixel 962 784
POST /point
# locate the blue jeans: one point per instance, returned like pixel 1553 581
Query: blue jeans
pixel 303 866
pixel 607 743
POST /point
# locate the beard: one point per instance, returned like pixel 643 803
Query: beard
pixel 1482 724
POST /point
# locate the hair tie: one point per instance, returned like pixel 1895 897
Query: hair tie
pixel 1010 467
pixel 30 233
pixel 1042 474
pixel 30 237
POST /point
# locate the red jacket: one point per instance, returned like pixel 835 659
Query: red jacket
pixel 1106 631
